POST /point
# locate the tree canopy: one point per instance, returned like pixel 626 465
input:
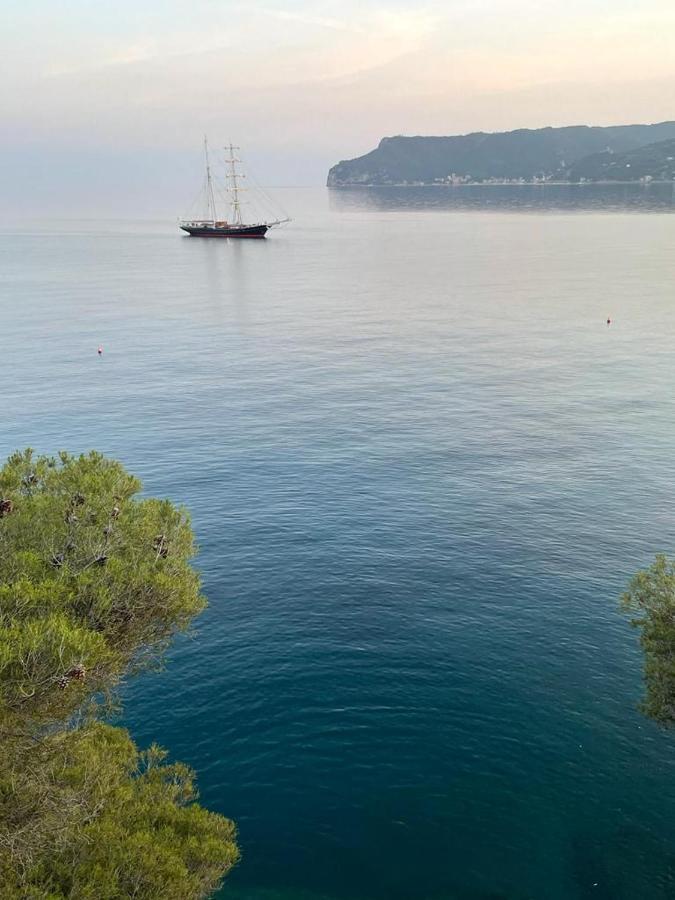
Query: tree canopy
pixel 651 594
pixel 94 582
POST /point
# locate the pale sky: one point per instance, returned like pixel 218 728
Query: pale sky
pixel 103 104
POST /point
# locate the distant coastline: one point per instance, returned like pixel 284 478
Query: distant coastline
pixel 465 184
pixel 580 154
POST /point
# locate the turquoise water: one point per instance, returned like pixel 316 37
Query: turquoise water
pixel 421 469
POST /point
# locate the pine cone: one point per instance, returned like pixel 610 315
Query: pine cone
pixel 78 672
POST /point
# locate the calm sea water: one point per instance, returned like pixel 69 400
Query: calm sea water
pixel 421 469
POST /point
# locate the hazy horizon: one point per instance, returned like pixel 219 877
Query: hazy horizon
pixel 104 108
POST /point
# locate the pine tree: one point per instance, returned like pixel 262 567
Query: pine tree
pixel 94 583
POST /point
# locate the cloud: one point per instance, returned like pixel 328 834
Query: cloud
pixel 334 24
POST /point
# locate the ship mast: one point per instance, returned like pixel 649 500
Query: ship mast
pixel 210 199
pixel 234 189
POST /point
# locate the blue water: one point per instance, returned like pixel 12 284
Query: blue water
pixel 421 469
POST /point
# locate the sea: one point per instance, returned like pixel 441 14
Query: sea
pixel 425 436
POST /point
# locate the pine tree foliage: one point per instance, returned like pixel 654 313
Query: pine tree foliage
pixel 651 594
pixel 94 582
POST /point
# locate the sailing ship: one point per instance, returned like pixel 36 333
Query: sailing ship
pixel 215 225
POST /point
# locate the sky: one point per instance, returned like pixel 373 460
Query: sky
pixel 103 105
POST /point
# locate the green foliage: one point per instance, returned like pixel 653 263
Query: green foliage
pixel 651 593
pixel 94 581
pixel 128 825
pixel 94 578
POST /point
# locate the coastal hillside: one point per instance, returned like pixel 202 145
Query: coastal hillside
pixel 655 162
pixel 541 154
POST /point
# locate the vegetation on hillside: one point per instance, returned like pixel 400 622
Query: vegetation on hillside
pixel 654 162
pixel 525 154
pixel 94 582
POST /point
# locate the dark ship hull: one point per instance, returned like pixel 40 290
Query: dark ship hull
pixel 197 229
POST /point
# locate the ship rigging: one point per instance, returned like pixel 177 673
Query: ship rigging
pixel 212 223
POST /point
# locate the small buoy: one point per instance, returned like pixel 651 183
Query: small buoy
pixel 609 322
pixel 100 349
